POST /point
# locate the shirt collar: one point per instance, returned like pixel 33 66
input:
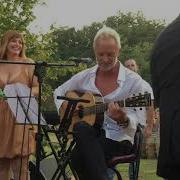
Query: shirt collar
pixel 121 75
pixel 94 70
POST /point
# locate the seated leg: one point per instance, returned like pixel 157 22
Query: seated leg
pixel 93 150
pixel 88 156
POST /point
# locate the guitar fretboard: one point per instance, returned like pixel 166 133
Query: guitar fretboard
pixel 99 108
pixel 135 101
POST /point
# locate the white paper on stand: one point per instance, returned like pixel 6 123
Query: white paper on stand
pixel 20 103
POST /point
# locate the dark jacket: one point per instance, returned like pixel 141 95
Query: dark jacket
pixel 165 75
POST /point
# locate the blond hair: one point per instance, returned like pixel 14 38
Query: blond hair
pixel 6 38
pixel 107 32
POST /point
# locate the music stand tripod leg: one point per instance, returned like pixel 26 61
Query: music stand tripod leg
pixel 65 155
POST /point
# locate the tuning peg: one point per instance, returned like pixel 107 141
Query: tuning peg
pixel 134 109
pixel 140 108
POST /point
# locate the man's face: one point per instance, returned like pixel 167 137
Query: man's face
pixel 107 52
pixel 131 64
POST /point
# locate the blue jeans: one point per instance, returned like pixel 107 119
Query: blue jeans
pixel 111 174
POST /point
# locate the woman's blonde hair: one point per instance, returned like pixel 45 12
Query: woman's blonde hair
pixel 6 38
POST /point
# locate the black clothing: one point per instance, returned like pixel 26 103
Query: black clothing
pixel 93 149
pixel 165 71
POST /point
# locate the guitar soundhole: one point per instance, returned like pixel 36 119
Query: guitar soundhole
pixel 81 114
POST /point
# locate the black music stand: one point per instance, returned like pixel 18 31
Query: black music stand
pixel 62 155
pixel 39 68
pixel 39 72
pixel 22 105
pixel 62 134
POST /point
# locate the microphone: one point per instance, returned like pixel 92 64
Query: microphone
pixel 80 60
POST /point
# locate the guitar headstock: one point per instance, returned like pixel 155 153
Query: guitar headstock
pixel 141 100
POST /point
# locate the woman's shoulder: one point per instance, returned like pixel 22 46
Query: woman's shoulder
pixel 29 60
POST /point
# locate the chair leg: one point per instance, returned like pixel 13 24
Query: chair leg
pixel 137 169
pixel 119 177
pixel 132 171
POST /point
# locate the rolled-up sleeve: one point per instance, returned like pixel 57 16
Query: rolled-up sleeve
pixel 133 121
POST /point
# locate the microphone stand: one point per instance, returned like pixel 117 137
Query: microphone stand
pixel 39 65
pixel 39 73
pixel 65 153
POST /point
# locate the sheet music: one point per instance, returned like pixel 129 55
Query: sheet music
pixel 18 99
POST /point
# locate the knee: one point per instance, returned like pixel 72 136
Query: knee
pixel 82 130
pixel 81 127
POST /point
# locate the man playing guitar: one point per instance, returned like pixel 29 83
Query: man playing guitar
pixel 109 78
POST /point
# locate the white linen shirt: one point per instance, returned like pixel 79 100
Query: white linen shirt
pixel 129 83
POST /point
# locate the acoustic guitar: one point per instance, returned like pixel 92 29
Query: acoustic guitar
pixel 94 110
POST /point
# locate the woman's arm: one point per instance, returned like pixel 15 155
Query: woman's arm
pixel 33 79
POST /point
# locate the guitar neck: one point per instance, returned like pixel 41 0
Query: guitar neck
pixel 100 108
pixel 135 101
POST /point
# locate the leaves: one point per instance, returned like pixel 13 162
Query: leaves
pixel 16 14
pixel 59 44
pixel 137 36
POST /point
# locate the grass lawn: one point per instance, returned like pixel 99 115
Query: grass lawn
pixel 147 170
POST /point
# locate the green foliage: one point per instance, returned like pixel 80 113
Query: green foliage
pixel 16 14
pixel 136 32
pixel 59 44
pixel 140 52
pixel 134 28
pixel 72 43
pixel 137 37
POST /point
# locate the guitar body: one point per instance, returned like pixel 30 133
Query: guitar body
pixel 90 118
pixel 92 112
